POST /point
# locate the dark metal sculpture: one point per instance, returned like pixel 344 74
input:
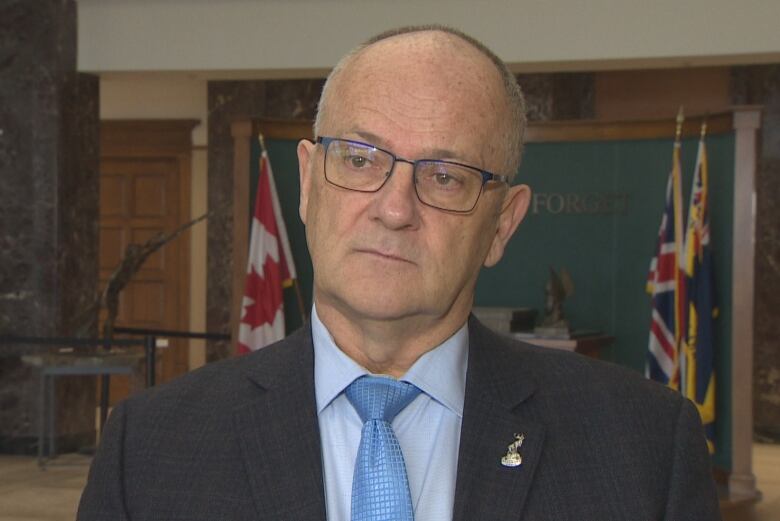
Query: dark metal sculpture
pixel 134 257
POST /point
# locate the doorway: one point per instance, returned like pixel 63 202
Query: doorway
pixel 145 190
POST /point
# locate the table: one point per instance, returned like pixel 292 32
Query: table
pixel 53 365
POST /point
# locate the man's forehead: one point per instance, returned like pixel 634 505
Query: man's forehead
pixel 428 66
pixel 428 91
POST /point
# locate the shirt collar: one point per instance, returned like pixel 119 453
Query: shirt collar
pixel 333 370
pixel 440 373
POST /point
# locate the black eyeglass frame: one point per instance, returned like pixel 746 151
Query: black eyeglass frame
pixel 486 175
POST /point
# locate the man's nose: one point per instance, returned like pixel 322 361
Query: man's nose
pixel 396 204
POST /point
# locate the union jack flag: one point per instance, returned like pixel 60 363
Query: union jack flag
pixel 666 284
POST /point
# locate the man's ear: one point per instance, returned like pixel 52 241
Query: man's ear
pixel 513 211
pixel 306 150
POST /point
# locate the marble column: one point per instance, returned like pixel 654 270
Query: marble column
pixel 558 96
pixel 760 85
pixel 227 101
pixel 48 211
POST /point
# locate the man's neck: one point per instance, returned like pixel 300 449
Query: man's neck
pixel 388 347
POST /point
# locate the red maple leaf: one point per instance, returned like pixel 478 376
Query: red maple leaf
pixel 266 293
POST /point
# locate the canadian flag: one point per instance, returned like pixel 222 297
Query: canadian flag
pixel 270 268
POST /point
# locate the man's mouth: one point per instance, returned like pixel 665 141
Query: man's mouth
pixel 384 254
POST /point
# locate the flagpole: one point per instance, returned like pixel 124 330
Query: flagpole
pixel 680 120
pixel 296 286
pixel 679 332
pixel 301 307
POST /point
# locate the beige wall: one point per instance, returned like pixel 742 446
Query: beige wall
pixel 263 38
pixel 156 96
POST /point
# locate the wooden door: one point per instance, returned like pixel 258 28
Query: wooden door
pixel 144 190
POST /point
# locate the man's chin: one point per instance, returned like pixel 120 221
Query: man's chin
pixel 378 305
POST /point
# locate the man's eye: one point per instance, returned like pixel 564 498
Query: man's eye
pixel 443 179
pixel 446 180
pixel 357 161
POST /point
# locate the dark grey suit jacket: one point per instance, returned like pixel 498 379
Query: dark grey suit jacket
pixel 239 440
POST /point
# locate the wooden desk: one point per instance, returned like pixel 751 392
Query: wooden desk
pixel 590 345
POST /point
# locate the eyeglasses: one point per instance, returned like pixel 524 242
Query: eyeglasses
pixel 445 185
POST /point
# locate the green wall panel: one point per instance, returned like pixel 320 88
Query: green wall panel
pixel 608 254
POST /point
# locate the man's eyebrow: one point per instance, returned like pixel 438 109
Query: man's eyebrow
pixel 433 153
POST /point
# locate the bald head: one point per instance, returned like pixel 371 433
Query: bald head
pixel 435 59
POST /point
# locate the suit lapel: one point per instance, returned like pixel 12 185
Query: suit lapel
pixel 279 434
pixel 496 387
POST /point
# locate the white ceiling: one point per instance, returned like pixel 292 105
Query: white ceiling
pixel 303 38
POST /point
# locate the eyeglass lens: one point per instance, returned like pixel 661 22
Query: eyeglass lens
pixel 361 167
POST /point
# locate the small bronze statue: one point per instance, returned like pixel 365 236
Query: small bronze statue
pixel 559 287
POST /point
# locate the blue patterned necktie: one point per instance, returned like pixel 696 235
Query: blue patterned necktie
pixel 380 488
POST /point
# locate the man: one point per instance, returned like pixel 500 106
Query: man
pixel 405 196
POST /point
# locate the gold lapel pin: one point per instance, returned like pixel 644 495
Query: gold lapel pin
pixel 512 458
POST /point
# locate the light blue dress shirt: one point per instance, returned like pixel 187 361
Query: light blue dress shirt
pixel 428 429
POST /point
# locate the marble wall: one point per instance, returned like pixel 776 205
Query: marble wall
pixel 558 96
pixel 48 210
pixel 760 85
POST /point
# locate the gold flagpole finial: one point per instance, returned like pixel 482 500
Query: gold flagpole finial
pixel 704 127
pixel 680 120
pixel 261 139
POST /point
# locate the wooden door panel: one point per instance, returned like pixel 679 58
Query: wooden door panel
pixel 112 246
pixel 147 303
pixel 145 191
pixel 113 195
pixel 149 195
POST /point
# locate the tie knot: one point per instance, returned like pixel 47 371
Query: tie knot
pixel 380 398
